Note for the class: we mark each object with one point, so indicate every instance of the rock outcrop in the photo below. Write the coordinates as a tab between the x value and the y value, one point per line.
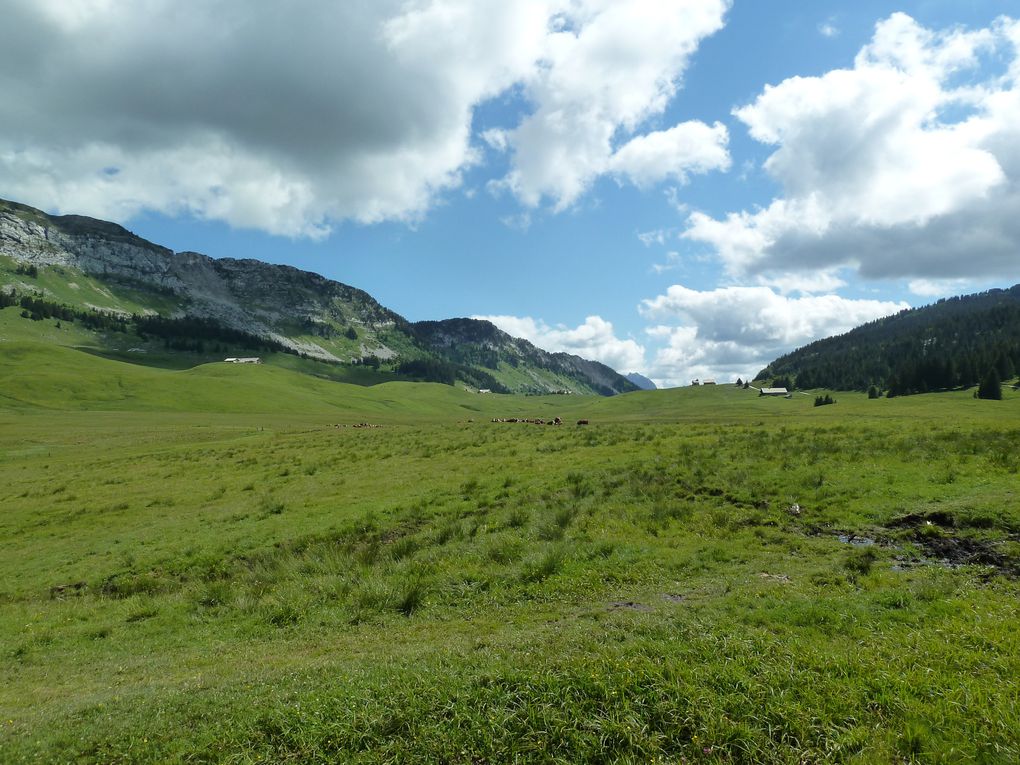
273	301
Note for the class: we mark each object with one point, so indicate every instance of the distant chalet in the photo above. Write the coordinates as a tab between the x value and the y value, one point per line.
773	392
243	360
696	381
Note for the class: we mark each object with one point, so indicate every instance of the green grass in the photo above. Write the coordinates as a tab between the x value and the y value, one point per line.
199	566
71	287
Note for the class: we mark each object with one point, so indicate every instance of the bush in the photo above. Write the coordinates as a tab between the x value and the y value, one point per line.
824	400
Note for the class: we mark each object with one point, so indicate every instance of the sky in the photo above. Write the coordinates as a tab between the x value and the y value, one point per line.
685	188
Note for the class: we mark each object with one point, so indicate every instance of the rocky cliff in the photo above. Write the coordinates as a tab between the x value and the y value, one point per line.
301	311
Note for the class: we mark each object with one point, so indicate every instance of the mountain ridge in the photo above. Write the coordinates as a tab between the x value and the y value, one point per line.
302	311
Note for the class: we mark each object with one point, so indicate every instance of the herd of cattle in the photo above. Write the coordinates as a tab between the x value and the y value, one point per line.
535	421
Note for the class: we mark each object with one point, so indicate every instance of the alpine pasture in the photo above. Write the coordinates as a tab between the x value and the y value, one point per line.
214	565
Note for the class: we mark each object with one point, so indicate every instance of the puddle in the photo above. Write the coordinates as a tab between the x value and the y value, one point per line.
853	539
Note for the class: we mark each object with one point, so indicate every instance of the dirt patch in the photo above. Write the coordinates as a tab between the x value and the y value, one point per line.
957	551
940	540
913	520
933	533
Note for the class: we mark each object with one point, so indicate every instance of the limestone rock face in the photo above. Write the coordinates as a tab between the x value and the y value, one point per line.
261	298
300	310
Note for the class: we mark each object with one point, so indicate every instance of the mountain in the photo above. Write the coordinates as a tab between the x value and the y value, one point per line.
952	343
189	303
480	343
641	381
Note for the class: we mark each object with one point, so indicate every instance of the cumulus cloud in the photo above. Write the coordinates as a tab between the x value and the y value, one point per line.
610	68
901	166
280	118
595	339
735	331
690	147
289	118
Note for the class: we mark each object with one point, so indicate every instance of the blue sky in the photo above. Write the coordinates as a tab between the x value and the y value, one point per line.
682	188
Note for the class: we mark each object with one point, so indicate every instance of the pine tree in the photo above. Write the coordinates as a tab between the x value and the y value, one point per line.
991	386
1005	367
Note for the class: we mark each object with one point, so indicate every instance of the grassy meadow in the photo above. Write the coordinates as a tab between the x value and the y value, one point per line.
200	566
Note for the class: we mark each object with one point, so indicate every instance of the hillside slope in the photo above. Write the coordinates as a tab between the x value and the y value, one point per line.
480	343
97	266
952	343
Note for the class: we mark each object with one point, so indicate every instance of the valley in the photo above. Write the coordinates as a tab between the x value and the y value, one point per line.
201	565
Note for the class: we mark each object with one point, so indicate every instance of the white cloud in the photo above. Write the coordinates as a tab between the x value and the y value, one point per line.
612	67
690	147
283	118
595	339
673	261
828	29
805	283
289	118
939	287
518	222
656	236
496	138
889	167
735	331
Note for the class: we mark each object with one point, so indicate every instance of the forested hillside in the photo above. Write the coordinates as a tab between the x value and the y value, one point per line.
953	343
